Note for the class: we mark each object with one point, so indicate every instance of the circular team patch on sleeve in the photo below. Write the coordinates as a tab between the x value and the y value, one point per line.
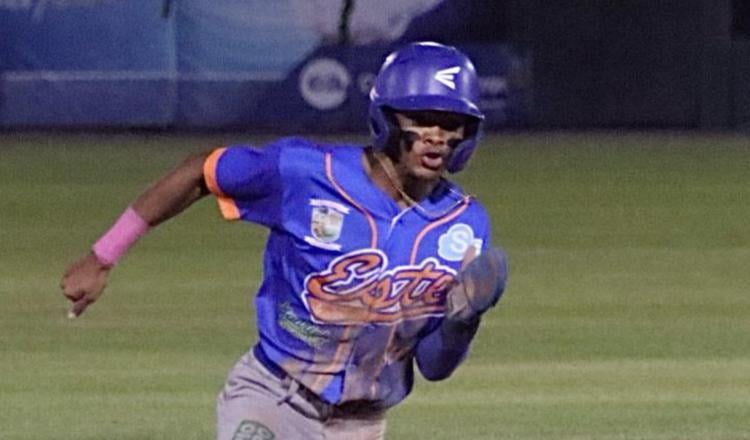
252	430
452	245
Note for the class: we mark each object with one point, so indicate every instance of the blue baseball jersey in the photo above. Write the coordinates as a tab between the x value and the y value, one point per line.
351	282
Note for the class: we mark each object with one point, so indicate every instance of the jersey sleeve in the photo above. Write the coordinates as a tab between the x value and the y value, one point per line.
441	351
246	182
446	344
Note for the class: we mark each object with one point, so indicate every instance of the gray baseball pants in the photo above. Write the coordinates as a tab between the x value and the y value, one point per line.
255	404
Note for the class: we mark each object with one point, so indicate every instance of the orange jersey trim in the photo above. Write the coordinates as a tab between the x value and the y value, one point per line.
209	171
434	225
325	376
344	194
343	349
227	205
228	208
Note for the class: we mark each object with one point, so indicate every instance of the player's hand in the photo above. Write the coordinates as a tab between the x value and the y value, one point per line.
479	286
83	283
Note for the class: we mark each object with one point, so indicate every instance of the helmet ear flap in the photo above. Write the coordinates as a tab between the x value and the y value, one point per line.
378	127
472	127
386	131
394	130
464	150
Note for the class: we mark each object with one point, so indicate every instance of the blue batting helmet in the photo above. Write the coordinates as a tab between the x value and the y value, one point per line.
427	76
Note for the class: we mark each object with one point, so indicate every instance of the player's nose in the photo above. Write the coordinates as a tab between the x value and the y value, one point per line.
436	136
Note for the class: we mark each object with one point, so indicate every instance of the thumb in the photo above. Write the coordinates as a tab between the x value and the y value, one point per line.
470	254
78	308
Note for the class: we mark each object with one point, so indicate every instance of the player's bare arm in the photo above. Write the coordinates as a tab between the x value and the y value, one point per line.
84	281
174	192
479	286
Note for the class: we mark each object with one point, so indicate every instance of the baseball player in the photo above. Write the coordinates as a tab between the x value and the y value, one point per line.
374	262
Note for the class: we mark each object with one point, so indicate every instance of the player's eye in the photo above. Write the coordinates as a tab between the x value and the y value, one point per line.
453	143
445	120
409	137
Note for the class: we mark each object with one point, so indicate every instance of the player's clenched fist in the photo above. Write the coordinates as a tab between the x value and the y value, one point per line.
84	282
480	284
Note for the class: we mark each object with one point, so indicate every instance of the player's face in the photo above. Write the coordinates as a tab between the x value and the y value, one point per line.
431	138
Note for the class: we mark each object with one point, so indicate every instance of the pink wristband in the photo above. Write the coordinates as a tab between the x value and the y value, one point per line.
120	237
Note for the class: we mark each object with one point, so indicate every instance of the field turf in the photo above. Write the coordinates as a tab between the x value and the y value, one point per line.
627	315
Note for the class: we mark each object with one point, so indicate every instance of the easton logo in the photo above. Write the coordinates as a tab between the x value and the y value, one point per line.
448	76
356	289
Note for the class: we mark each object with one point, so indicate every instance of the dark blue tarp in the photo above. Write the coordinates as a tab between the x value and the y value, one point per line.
64	63
200	63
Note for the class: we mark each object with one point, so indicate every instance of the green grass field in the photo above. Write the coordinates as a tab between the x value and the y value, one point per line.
627	314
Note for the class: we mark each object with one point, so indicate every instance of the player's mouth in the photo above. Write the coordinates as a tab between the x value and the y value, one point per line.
433	160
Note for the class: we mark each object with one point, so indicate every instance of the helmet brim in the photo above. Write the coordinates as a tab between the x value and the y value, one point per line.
434	103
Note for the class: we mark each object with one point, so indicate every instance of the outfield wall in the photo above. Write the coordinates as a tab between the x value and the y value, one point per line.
291	65
282	65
